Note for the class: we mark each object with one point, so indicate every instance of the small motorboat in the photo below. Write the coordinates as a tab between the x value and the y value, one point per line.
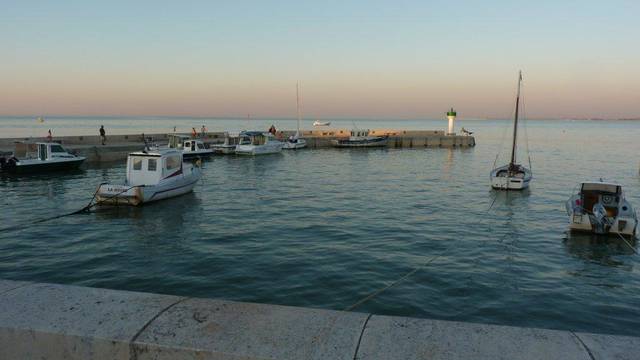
320	123
294	141
601	208
229	144
151	175
191	148
512	176
361	138
258	143
39	157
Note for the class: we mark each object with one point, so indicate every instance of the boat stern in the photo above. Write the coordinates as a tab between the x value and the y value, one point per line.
109	194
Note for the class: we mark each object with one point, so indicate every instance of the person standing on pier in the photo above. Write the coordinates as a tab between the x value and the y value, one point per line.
194	133
203	131
49	136
103	135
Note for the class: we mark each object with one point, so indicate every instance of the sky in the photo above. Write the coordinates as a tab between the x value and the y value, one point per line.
354	59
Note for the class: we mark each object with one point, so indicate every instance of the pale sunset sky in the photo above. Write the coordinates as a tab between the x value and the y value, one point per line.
366	59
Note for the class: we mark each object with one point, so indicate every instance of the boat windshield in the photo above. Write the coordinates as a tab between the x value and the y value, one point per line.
57	149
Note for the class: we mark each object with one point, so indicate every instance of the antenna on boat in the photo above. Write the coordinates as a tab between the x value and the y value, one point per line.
515	123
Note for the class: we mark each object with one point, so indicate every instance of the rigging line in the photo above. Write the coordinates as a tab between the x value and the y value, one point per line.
526	132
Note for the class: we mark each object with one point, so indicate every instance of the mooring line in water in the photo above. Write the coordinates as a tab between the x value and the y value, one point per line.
395	282
626	242
85	209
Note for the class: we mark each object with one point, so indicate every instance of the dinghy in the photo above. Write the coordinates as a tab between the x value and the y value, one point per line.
295	142
361	138
512	176
257	143
39	157
151	175
601	208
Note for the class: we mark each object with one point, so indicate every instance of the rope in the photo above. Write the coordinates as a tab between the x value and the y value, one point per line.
397	281
84	209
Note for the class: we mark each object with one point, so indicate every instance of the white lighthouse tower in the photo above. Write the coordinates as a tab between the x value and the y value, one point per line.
451	115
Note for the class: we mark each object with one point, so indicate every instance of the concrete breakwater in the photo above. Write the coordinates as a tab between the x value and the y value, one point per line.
69	322
118	146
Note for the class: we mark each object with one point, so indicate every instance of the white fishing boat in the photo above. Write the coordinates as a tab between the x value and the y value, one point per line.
191	148
294	141
231	140
512	176
360	138
39	157
151	175
321	123
258	143
601	208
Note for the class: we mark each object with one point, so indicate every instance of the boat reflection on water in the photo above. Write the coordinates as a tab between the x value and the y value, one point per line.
599	249
168	213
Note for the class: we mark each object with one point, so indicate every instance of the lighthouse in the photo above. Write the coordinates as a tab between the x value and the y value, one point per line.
451	115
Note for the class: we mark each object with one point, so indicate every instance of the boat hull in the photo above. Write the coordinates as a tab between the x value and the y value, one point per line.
124	194
290	145
348	143
197	154
224	149
622	226
259	149
501	182
42	166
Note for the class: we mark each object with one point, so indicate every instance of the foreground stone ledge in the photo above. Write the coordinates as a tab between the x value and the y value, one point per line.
48	321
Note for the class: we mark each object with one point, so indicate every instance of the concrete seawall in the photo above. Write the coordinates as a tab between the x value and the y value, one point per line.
48	321
118	146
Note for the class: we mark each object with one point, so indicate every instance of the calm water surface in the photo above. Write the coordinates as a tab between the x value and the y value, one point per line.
324	228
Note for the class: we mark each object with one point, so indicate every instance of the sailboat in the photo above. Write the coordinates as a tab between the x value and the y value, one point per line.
295	142
512	176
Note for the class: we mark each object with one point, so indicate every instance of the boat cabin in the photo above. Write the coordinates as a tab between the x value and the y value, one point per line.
41	151
609	195
254	138
149	167
360	133
231	139
177	141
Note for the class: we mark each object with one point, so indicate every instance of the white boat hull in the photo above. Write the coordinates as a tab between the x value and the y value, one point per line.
269	148
125	194
501	182
622	225
299	144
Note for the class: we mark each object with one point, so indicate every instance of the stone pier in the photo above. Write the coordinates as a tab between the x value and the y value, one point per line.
49	321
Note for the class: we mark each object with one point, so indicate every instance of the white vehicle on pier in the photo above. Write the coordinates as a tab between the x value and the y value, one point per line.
151	175
258	143
601	208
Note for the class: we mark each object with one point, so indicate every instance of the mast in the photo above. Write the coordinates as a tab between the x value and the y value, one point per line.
515	124
298	107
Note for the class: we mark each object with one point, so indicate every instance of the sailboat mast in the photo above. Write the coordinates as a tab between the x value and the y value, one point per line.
515	123
298	106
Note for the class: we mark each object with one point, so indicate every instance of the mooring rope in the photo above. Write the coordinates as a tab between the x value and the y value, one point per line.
84	209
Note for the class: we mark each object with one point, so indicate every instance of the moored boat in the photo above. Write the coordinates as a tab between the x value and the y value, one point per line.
258	143
191	148
39	157
512	176
361	138
321	123
151	175
229	144
601	208
294	141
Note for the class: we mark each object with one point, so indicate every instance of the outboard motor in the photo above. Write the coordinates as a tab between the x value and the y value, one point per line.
599	219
